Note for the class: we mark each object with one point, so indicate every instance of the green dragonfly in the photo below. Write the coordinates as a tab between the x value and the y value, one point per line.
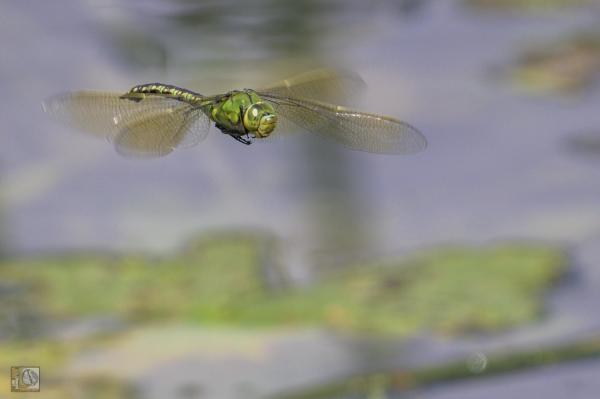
152	120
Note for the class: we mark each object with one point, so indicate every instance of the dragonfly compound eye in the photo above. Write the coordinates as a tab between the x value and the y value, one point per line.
260	119
267	125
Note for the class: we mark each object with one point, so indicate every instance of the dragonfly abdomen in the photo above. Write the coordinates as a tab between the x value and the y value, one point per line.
171	91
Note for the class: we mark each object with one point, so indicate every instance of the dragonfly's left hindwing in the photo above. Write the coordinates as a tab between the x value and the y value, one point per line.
150	127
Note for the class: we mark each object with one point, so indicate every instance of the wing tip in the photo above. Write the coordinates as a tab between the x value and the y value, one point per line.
415	140
52	104
49	104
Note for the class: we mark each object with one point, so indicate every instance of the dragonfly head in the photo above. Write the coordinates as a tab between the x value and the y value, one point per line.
260	118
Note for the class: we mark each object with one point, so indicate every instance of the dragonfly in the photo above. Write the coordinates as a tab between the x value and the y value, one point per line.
152	120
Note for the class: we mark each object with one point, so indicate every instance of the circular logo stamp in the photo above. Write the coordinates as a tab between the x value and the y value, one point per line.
25	379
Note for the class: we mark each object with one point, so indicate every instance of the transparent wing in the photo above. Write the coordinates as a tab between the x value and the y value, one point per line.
103	114
328	85
159	134
145	128
354	129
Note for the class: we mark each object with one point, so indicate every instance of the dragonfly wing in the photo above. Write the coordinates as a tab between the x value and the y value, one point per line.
159	134
329	85
151	127
354	129
196	130
103	114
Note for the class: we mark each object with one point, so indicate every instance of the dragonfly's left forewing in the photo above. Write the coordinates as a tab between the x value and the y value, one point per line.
354	129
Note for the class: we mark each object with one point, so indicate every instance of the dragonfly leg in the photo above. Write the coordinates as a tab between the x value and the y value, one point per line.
235	134
242	140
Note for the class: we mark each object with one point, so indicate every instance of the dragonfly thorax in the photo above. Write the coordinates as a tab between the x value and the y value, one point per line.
244	112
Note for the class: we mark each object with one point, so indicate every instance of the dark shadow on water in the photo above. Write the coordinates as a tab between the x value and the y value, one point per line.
585	145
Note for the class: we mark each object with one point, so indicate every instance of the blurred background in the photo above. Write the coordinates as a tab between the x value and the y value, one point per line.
300	269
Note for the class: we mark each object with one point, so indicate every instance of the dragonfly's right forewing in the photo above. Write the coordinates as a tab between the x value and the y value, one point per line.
337	86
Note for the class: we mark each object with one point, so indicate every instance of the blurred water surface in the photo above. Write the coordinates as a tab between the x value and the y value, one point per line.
495	168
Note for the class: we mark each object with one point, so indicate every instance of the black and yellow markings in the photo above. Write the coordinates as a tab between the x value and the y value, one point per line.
165	90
